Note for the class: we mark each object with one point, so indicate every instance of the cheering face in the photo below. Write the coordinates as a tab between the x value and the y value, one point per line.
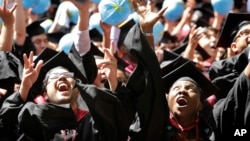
241	40
59	86
184	99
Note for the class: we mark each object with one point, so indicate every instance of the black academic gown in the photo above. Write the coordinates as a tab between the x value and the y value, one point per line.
109	118
11	73
232	113
146	82
224	73
43	122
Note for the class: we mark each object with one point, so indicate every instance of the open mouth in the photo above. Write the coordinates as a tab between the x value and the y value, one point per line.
182	102
103	80
62	87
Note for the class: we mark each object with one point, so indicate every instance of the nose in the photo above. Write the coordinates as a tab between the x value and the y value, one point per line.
248	39
44	43
182	91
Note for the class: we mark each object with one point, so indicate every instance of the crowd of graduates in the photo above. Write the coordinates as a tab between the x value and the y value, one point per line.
165	71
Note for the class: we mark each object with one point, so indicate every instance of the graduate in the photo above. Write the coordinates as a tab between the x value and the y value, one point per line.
234	38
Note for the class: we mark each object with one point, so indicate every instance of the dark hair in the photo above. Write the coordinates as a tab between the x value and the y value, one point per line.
237	28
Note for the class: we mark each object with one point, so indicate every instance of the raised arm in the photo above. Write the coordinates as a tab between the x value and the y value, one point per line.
82	39
19	24
6	36
30	75
147	18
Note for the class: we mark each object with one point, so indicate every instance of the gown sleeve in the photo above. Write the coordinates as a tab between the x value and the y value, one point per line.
232	112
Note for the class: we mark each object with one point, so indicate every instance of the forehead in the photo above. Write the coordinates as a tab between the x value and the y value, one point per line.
58	69
185	82
245	27
40	36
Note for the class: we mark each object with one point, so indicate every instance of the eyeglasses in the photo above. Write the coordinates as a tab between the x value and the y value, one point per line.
39	41
242	33
57	75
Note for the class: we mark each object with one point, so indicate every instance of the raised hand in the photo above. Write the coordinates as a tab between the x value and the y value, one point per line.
147	17
7	14
30	74
108	66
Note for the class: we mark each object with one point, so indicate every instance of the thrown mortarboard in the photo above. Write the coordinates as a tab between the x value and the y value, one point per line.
199	49
60	59
232	23
114	12
188	69
125	27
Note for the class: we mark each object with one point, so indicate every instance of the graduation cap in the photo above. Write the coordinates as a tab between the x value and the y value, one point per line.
95	35
114	12
35	28
11	72
60	59
125	27
45	55
55	37
173	62
188	69
232	24
199	49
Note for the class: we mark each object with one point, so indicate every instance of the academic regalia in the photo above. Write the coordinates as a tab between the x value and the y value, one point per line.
42	122
181	68
232	24
56	122
146	82
86	63
223	73
111	114
11	73
124	27
34	29
232	112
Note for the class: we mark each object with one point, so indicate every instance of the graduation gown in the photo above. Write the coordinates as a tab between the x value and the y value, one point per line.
108	120
224	73
43	122
232	113
146	82
11	72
